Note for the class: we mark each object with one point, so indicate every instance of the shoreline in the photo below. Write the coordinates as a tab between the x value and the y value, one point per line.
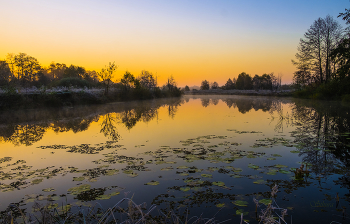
283	93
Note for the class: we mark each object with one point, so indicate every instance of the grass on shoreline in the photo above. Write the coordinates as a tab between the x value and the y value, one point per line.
27	98
128	212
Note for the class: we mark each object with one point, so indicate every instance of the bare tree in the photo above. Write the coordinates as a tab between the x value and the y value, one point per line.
107	75
313	57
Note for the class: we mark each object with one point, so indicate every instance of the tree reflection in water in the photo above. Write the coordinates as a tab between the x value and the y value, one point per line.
108	127
323	137
78	120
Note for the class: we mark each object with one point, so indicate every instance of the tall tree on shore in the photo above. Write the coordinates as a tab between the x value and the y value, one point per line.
244	81
314	51
107	74
205	85
341	54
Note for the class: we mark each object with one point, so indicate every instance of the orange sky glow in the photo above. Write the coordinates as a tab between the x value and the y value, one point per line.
190	40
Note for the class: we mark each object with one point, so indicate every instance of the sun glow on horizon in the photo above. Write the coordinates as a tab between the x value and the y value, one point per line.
190	41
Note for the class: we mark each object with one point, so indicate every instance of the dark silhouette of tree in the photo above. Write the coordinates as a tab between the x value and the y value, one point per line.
313	59
28	67
244	81
204	85
107	74
187	88
214	85
147	80
229	85
128	81
341	54
5	73
74	72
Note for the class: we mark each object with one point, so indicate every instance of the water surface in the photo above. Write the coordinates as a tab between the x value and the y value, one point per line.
209	155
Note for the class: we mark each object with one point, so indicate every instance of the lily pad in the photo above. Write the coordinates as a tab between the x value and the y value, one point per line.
206	175
284	171
240	203
103	197
219	183
153	183
237	169
276	155
50	189
240	211
79	189
184	189
37	181
183	174
294	151
280	166
259	182
272	172
271	158
78	178
220	205
252	166
265	201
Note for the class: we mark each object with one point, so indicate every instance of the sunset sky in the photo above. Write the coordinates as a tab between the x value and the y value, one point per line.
192	40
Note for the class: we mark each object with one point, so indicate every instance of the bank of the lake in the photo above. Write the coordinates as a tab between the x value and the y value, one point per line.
283	93
60	97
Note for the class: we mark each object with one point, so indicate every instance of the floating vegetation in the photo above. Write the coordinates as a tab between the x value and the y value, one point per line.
272	172
252	166
240	203
220	205
241	211
79	189
206	175
284	171
270	142
50	189
276	155
84	148
107	196
219	183
37	181
5	159
265	201
78	178
184	189
167	168
244	132
280	166
259	182
153	183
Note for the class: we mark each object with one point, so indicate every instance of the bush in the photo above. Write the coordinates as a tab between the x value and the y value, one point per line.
73	81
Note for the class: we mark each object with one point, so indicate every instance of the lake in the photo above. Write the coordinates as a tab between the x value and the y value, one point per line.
195	156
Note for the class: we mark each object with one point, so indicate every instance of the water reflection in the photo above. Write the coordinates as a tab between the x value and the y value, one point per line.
108	127
79	119
220	167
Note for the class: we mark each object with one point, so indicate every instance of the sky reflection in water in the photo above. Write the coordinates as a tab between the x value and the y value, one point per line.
200	152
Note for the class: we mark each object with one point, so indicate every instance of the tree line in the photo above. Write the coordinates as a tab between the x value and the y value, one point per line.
245	81
22	70
322	58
